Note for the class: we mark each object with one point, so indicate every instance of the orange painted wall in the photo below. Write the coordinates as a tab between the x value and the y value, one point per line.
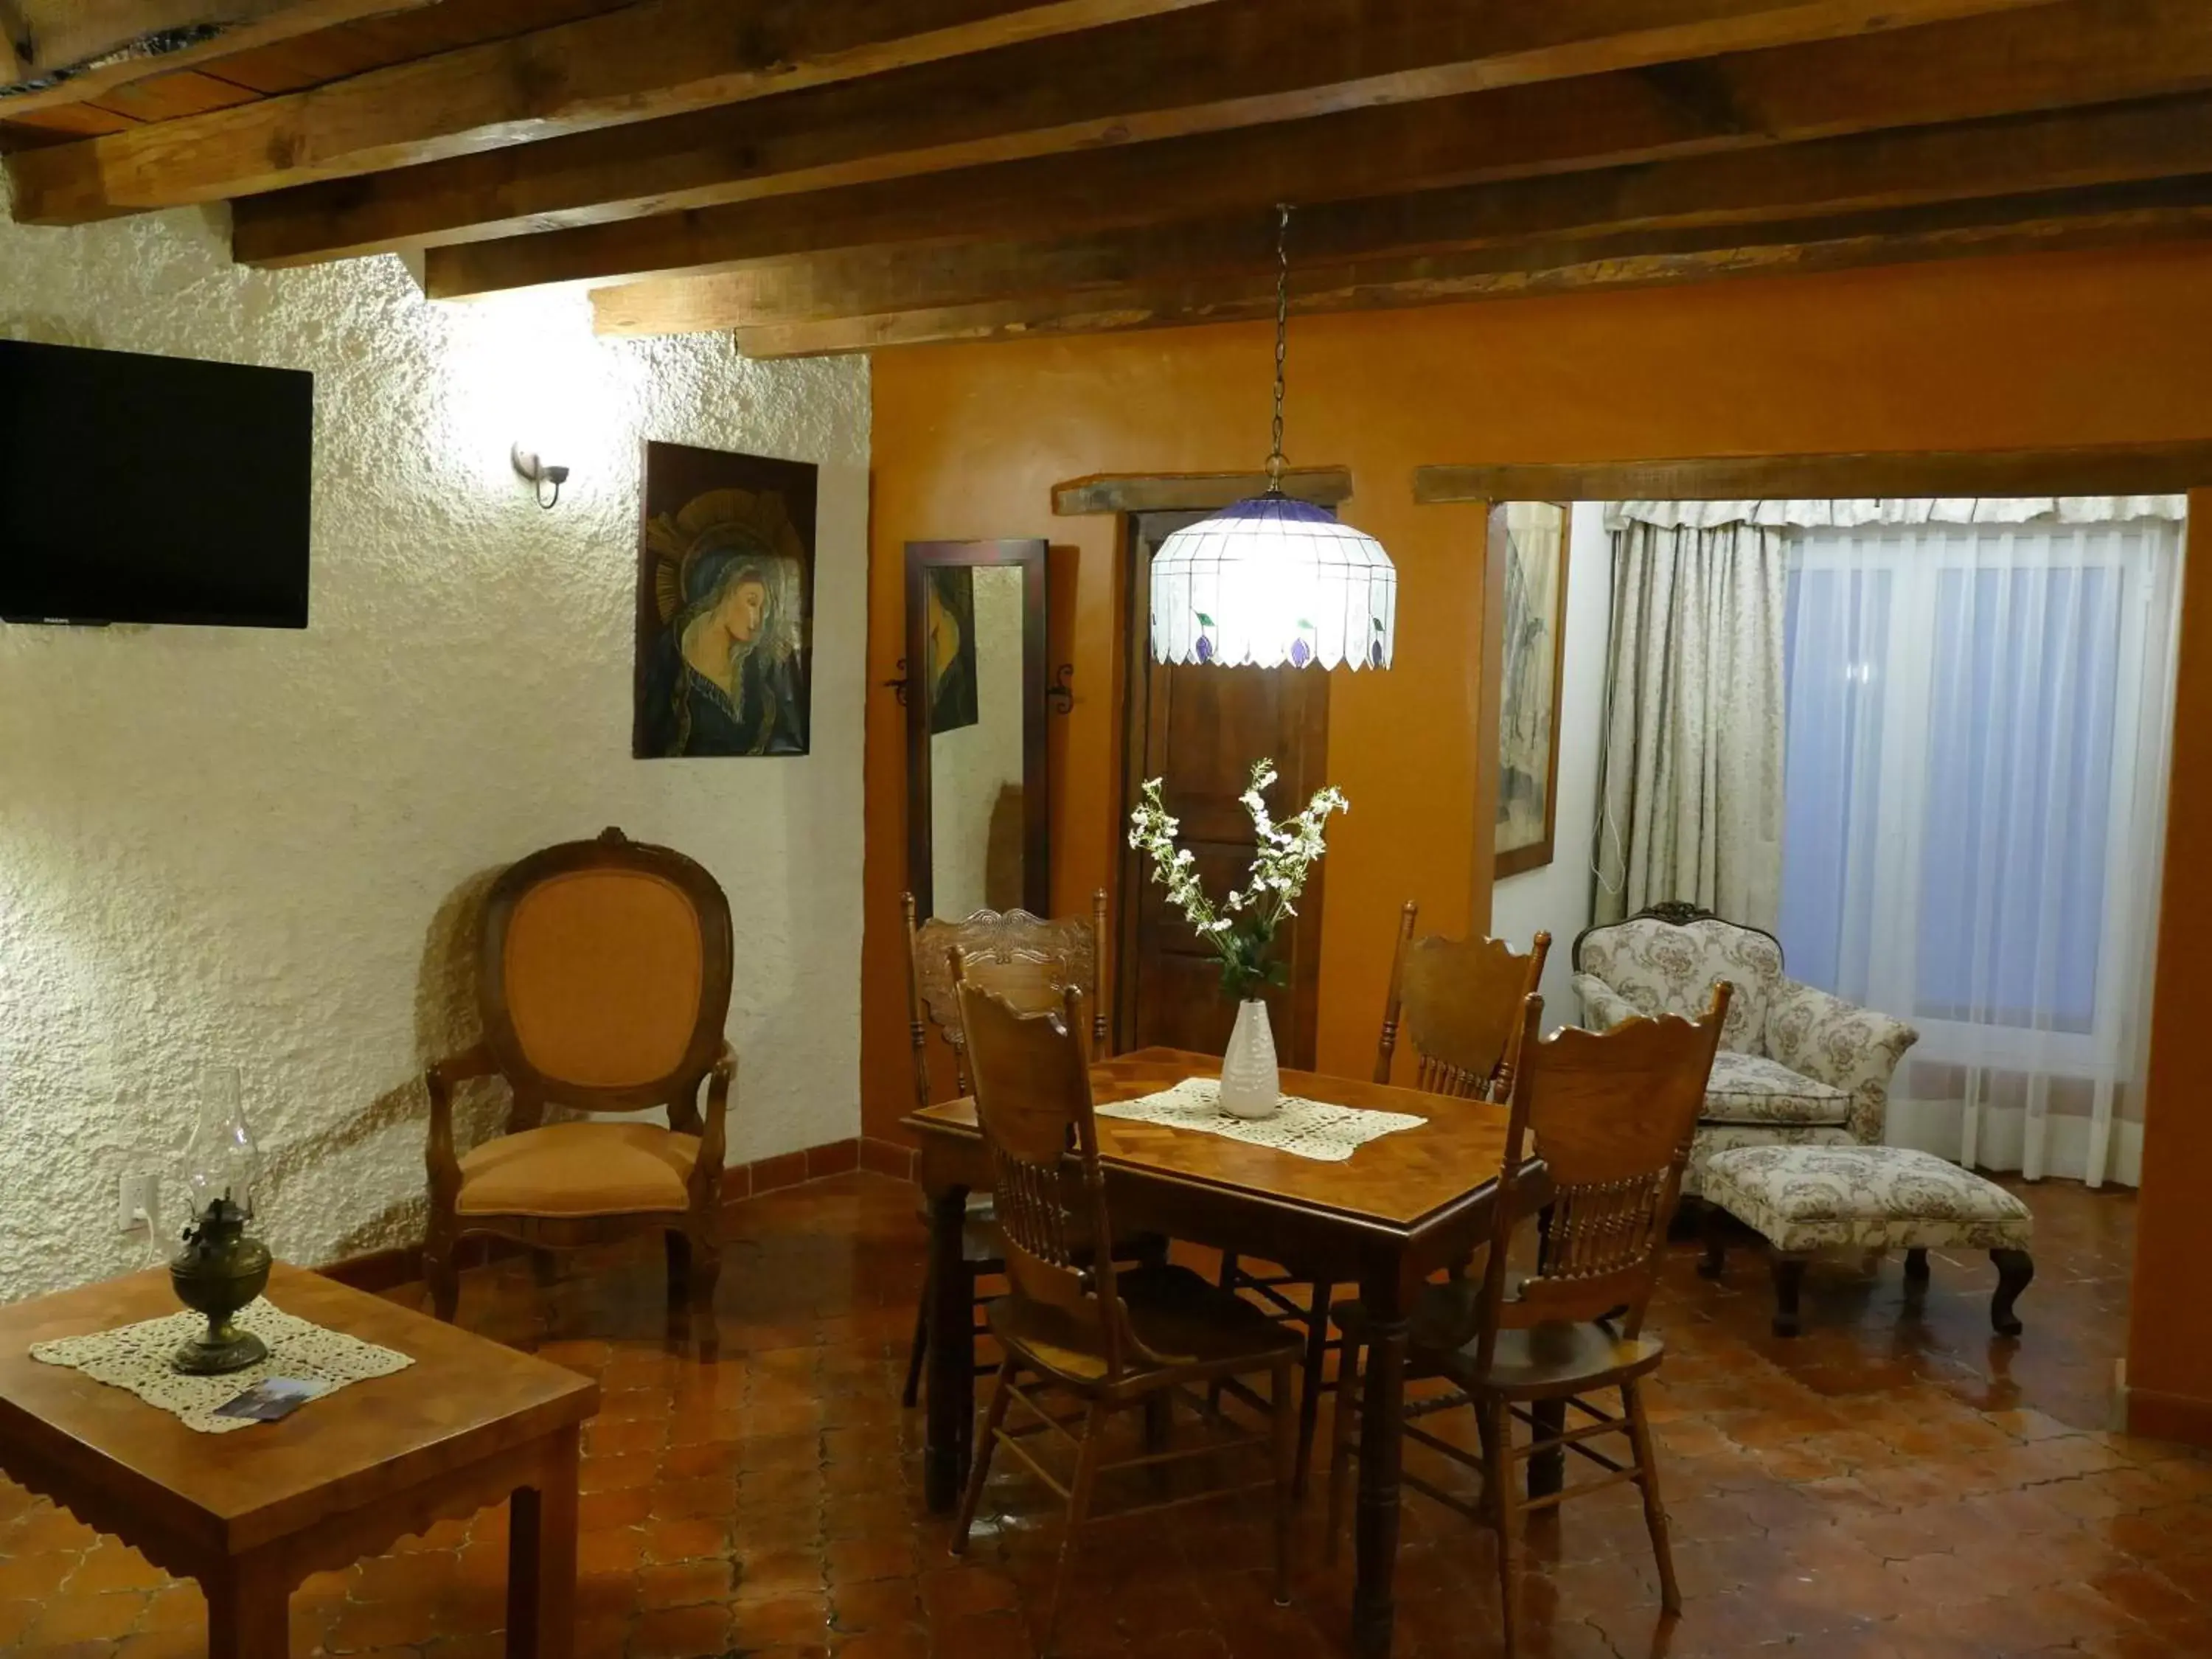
1980	355
2170	1339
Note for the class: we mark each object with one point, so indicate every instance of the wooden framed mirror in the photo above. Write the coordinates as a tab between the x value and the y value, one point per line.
978	822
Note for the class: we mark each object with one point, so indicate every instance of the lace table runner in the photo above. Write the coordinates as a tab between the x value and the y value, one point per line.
137	1357
1308	1128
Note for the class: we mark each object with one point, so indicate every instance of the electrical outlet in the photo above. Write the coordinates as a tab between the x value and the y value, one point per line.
137	1200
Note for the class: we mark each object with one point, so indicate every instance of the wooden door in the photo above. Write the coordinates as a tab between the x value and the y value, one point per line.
1201	729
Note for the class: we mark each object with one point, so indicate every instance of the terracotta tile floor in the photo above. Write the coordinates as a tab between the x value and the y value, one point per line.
1892	1484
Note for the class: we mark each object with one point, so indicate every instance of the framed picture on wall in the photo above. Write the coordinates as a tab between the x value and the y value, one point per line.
1536	536
725	604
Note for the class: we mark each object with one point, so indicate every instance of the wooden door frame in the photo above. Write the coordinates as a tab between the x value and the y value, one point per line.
2164	469
1135	714
2151	469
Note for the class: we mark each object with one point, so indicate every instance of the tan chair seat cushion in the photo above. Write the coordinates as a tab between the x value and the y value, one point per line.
580	1169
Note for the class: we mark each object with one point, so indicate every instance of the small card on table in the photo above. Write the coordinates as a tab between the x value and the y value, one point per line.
271	1399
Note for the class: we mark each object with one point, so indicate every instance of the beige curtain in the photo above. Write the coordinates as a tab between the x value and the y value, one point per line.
1691	796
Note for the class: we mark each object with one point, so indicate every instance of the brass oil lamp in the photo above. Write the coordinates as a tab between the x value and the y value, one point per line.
220	1269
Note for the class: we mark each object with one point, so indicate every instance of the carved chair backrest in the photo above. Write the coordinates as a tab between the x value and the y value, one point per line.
604	972
1459	1002
1024	958
1664	961
1032	1087
1612	1115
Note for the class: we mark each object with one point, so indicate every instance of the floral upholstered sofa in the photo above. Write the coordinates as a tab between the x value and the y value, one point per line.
1797	1067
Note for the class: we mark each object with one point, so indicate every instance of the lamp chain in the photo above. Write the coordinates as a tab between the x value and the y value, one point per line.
1282	337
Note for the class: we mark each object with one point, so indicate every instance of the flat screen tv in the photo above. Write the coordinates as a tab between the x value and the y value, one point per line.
153	489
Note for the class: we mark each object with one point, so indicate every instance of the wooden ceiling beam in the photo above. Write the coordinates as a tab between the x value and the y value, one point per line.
1242	63
2048	58
64	51
2125	216
2013	156
655	58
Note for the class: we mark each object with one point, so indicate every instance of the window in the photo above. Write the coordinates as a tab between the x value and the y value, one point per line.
1974	785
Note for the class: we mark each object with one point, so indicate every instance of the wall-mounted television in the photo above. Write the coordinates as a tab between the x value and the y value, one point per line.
153	489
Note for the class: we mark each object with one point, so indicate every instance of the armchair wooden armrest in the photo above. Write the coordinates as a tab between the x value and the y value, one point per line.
707	1170
445	1163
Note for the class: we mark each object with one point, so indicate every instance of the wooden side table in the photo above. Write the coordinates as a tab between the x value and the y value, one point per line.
251	1514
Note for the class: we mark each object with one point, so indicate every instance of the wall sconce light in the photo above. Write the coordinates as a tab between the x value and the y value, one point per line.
537	474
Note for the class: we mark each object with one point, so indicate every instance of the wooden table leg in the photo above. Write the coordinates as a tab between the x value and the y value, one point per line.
1381	1424
249	1611
951	1390
541	1559
1547	1470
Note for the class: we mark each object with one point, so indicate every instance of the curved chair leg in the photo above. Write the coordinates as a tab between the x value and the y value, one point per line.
678	1248
1788	1283
1078	1512
1716	1243
918	1352
706	1269
1502	1508
979	1462
1647	1478
2014	1270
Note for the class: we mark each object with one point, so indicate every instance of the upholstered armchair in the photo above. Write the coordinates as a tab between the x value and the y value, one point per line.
604	977
1796	1066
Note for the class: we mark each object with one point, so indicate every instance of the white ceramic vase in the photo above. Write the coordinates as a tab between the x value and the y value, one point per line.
1251	1083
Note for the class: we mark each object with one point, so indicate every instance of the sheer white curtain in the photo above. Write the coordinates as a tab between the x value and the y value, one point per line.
1979	717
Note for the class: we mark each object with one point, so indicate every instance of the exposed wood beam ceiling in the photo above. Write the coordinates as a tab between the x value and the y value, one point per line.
1210	69
820	177
2167	213
58	51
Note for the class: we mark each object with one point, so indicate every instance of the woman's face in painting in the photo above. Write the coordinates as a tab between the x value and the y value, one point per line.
743	610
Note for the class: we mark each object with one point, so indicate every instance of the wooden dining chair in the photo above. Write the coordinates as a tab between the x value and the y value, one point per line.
603	980
1459	1002
1030	961
1075	1322
1612	1117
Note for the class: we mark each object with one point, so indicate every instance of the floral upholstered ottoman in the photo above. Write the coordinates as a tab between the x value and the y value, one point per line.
1804	1198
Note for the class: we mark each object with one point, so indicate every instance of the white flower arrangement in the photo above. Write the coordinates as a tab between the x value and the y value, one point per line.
1241	929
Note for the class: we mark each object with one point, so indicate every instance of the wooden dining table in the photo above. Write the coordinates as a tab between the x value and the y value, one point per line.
1402	1207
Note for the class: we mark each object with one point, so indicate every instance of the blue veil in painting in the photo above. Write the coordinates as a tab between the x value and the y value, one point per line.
724	676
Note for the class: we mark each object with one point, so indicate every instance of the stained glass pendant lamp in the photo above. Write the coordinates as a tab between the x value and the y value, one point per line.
1271	580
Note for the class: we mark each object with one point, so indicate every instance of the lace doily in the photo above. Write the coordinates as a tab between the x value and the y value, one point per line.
1307	1128
137	1357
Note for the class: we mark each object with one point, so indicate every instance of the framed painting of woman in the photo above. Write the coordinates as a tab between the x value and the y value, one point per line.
1535	548
725	604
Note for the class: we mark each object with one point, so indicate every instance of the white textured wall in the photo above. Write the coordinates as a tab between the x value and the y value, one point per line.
1557	896
262	847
